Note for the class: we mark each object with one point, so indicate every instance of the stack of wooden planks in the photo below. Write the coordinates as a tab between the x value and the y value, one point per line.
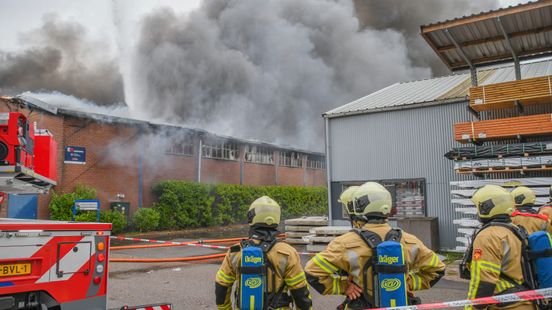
324	235
504	128
298	229
504	95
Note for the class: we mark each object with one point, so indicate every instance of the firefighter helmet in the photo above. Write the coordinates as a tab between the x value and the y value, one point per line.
493	200
347	195
370	199
264	211
523	195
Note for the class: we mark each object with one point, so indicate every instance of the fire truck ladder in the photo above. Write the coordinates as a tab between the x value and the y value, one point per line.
21	180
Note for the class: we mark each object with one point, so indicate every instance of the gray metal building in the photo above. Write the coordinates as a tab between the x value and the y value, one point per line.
398	136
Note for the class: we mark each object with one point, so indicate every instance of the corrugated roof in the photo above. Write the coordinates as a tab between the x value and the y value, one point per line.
50	107
481	39
438	90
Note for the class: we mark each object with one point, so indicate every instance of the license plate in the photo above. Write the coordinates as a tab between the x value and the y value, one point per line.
15	269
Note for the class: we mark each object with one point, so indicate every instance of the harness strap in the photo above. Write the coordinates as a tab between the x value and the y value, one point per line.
526	214
253	270
540	254
390	269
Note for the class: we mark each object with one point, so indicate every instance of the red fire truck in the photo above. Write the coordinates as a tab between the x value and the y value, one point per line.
46	265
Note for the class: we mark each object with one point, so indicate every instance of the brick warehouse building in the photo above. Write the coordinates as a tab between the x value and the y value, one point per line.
125	157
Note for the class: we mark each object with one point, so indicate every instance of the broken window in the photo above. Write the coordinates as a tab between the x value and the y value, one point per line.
316	162
181	147
222	150
291	159
259	155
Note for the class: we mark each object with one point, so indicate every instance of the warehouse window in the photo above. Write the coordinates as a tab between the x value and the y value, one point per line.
259	155
291	159
181	147
316	162
223	150
409	197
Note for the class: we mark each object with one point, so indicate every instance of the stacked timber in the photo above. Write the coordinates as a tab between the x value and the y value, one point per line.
297	230
462	191
505	95
505	164
324	235
504	128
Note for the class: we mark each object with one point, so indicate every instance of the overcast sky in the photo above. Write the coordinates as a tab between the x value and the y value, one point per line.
97	16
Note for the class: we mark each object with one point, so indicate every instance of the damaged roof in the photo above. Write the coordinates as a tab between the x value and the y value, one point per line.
34	103
440	90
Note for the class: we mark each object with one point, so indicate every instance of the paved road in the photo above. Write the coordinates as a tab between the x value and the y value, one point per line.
191	286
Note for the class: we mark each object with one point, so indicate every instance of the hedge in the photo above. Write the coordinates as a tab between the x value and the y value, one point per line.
184	204
61	209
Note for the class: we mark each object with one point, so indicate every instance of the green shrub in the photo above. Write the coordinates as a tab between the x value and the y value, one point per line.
116	218
185	204
61	204
146	219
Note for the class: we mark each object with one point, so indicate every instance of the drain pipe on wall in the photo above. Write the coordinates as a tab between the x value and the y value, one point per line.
328	171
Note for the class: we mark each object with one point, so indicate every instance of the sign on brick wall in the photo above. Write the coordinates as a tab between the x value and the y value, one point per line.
75	155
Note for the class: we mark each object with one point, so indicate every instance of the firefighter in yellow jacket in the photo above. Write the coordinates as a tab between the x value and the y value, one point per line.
340	268
547	208
285	279
496	265
524	214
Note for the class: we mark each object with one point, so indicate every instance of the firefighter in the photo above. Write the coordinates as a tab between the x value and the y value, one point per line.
285	278
341	268
524	214
497	265
547	208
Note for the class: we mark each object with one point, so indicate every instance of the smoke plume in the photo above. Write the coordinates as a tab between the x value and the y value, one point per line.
258	69
58	56
269	69
407	16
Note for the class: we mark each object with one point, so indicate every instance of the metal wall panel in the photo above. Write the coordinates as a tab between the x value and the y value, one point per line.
402	144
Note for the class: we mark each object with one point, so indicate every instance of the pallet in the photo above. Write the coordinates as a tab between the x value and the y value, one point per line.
308	221
298	241
289	228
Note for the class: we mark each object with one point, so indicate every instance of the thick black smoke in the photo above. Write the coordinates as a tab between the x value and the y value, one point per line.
406	16
59	57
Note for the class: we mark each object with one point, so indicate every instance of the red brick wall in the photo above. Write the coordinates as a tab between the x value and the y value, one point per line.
259	174
316	177
290	176
112	163
173	167
109	168
220	171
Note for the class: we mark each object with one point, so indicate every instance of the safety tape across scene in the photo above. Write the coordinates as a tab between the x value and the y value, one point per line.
514	297
194	244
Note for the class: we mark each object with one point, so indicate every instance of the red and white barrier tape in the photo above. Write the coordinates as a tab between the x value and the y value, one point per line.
152	307
196	244
514	297
218	247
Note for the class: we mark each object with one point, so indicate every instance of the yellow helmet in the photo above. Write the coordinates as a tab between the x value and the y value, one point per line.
493	200
523	195
370	198
265	211
347	196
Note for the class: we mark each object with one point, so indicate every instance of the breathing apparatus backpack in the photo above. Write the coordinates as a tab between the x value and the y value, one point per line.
389	270
253	290
527	267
